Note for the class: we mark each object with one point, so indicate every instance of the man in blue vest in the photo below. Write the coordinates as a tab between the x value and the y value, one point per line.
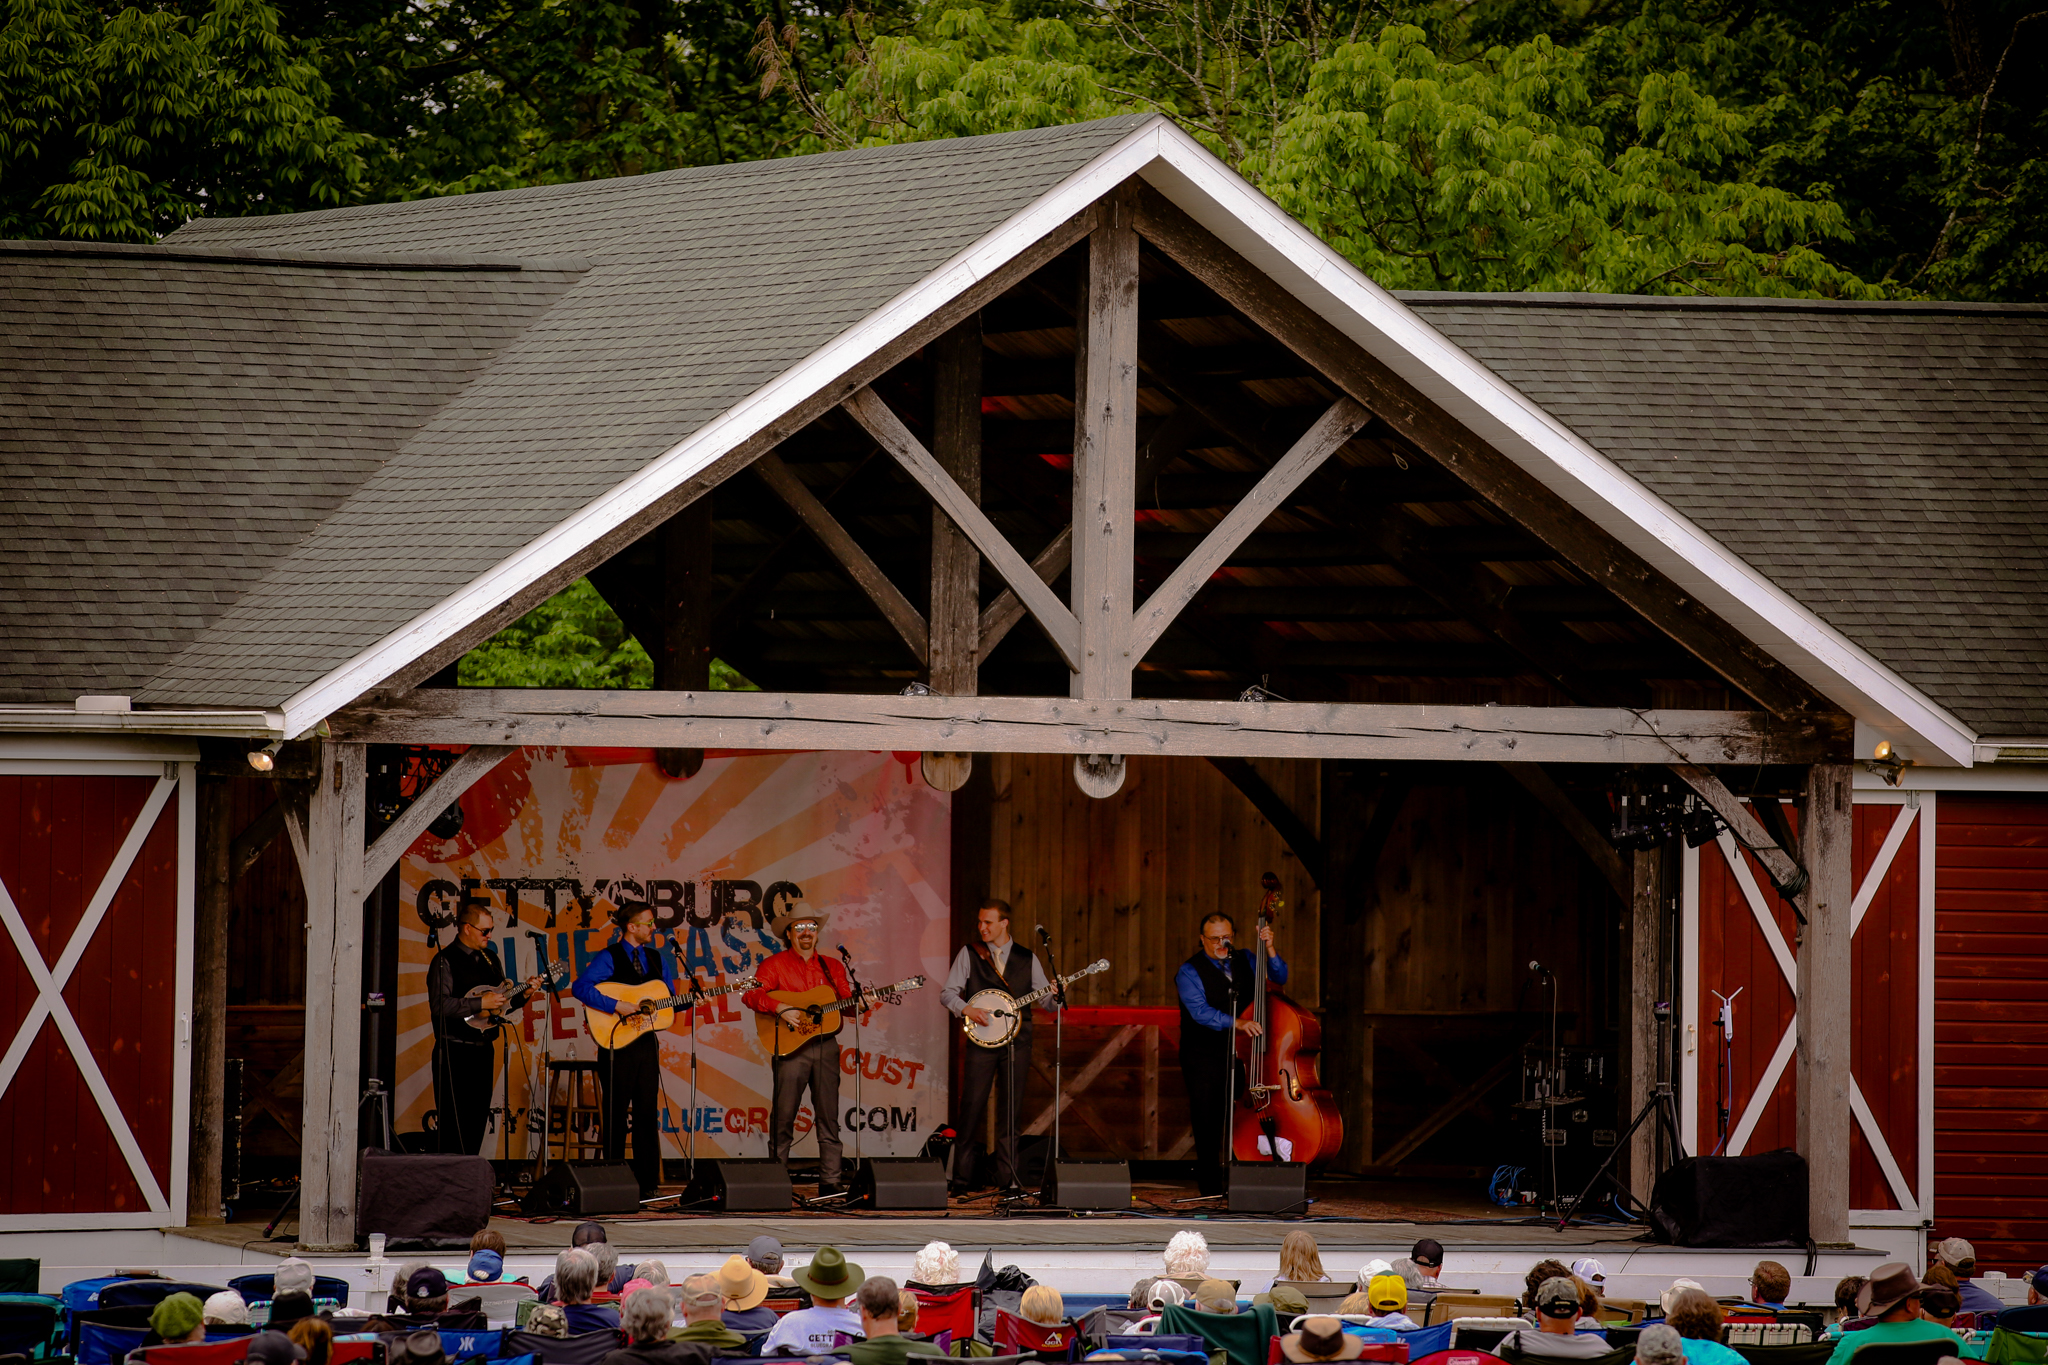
1215	986
631	1073
995	962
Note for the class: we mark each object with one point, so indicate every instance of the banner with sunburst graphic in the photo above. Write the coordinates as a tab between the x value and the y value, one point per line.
555	840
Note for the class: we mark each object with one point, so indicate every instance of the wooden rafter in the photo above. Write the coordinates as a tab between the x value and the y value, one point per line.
867	575
954	659
412	822
1783	868
1286	822
1106	460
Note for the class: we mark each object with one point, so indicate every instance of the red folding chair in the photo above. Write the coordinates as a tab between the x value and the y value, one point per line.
1019	1336
952	1308
195	1352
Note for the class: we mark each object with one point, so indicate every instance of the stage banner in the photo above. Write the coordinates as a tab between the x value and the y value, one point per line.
555	840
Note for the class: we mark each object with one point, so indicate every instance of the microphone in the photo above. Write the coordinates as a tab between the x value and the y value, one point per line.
1043	937
845	956
1536	966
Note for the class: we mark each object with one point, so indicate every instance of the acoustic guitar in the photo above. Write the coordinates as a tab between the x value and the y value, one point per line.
821	1006
617	1030
487	1021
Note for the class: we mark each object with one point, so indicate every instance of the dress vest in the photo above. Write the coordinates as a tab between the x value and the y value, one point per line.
471	970
1230	994
1016	978
624	973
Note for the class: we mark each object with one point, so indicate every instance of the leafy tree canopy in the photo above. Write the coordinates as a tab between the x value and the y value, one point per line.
574	639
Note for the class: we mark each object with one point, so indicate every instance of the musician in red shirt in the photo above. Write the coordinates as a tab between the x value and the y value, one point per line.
815	1063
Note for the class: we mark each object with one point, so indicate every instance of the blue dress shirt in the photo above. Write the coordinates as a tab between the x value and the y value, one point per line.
600	969
1188	982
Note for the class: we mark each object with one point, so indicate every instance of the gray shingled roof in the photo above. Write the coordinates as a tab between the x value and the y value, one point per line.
172	424
1887	465
706	284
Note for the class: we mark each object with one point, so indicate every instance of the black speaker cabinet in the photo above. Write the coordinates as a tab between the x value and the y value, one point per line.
1268	1187
1759	1200
422	1201
901	1182
741	1187
583	1188
1089	1185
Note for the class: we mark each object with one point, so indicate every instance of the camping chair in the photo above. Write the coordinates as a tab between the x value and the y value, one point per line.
1902	1352
150	1293
1483	1334
1627	1312
103	1335
466	1345
2031	1317
1016	1335
1447	1306
21	1275
1458	1358
502	1299
28	1324
328	1290
586	1348
1241	1336
954	1308
195	1353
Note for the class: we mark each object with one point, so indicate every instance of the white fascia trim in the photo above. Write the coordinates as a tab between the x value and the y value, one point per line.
726	432
49	720
1225	204
146	751
1985	777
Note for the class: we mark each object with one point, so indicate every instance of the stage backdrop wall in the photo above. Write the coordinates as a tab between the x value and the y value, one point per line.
554	840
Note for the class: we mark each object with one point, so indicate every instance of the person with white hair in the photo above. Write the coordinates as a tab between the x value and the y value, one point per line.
936	1264
645	1323
575	1279
1187	1256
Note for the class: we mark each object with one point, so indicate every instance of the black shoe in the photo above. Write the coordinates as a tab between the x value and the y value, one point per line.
826	1187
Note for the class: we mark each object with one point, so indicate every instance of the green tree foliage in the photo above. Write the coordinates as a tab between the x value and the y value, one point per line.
118	124
574	639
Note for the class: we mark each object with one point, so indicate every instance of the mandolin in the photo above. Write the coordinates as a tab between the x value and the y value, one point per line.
616	1030
486	1021
822	1005
1009	1010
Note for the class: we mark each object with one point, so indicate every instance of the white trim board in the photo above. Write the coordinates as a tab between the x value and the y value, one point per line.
1212	194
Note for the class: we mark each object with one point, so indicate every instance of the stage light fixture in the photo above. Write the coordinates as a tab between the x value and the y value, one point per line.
265	758
1700	824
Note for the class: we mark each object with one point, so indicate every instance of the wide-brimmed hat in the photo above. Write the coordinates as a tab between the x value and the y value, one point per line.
830	1275
1890	1285
1321	1338
424	1348
741	1285
779	926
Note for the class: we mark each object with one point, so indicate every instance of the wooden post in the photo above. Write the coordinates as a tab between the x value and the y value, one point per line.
203	1199
1148	1117
334	998
683	663
1106	458
955	619
1824	991
1641	984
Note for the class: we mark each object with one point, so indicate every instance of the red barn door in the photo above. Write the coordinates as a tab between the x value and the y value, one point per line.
1741	944
95	992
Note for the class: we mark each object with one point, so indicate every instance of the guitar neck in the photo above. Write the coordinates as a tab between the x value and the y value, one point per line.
706	993
907	984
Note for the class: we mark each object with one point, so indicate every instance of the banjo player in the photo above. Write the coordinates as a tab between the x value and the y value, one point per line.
994	962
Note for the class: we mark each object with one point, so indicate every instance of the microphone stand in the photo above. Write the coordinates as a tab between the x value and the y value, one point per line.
860	993
696	1119
1059	1036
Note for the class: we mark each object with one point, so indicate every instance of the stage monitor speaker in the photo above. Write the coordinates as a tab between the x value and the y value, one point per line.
422	1201
901	1182
1732	1201
1268	1187
583	1188
741	1187
1090	1185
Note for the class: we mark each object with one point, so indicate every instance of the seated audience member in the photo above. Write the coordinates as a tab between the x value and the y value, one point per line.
1141	1292
1301	1259
764	1253
1696	1317
315	1336
292	1292
1846	1290
426	1303
703	1304
936	1265
1187	1257
907	1308
177	1318
830	1279
1165	1293
225	1309
612	1273
1287	1303
1540	1274
575	1279
1592	1273
881	1322
1043	1305
276	1348
585	1235
1215	1296
423	1347
654	1272
744	1288
1388	1297
1960	1257
1428	1256
1770	1284
1670	1296
2037	1286
549	1321
1660	1345
1589	1306
1320	1338
1939	1305
644	1318
1373	1269
485	1267
1892	1297
1556	1333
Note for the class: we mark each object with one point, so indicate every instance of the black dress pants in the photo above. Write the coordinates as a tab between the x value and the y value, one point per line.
813	1067
631	1077
1008	1071
463	1077
1209	1070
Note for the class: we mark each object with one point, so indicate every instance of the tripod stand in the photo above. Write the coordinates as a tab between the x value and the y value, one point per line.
1665	1107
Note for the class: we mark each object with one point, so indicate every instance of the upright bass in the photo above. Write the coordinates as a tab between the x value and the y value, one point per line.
1283	1096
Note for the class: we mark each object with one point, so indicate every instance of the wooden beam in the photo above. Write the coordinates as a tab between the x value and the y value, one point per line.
889	432
334	999
255	837
1291	828
1785	871
1008	608
859	566
1057	725
1642	984
203	1196
1321	441
914	338
1454	1106
1826	979
465	772
1083	1078
1590	839
1106	458
1573	535
954	658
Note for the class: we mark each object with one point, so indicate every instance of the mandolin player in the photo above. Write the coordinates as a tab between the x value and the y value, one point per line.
630	1074
995	962
461	979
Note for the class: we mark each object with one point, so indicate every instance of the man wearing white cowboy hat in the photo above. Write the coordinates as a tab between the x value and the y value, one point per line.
814	1065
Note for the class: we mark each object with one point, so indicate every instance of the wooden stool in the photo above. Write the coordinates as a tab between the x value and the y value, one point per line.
582	1114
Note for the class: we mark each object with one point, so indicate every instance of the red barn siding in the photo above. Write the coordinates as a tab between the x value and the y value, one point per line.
1991	1028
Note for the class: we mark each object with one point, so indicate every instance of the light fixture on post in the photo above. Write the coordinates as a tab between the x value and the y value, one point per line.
265	758
1887	763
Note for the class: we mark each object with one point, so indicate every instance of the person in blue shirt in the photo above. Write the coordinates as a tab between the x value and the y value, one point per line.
631	1073
1215	986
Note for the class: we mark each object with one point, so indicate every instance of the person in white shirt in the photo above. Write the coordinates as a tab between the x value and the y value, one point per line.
830	1279
995	962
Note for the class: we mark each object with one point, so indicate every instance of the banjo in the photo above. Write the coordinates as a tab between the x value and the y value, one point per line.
1009	1010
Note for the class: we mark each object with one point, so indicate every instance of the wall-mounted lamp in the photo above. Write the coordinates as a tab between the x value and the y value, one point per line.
1887	763
265	758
